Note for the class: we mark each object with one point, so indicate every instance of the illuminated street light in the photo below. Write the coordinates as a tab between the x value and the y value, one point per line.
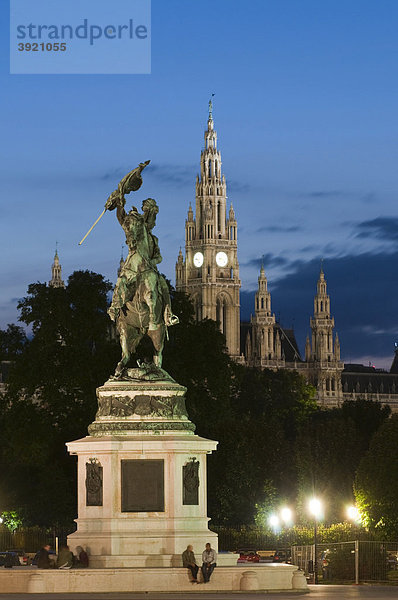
286	515
353	514
315	508
273	520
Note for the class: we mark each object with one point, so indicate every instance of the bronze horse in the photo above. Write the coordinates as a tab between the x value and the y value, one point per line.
141	301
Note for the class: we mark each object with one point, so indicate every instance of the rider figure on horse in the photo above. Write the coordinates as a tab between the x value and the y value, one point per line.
141	262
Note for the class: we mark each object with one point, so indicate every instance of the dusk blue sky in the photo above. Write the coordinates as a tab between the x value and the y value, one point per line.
305	108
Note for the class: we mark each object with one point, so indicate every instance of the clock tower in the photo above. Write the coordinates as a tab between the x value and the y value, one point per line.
210	271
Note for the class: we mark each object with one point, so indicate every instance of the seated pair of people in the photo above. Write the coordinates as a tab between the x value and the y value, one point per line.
66	560
209	561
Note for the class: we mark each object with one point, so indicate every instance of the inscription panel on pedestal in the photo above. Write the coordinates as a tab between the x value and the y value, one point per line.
142	485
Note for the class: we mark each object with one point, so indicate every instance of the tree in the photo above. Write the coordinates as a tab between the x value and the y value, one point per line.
327	454
50	396
12	342
376	482
368	416
329	449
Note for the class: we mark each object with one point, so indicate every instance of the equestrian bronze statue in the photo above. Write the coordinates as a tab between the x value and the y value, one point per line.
141	301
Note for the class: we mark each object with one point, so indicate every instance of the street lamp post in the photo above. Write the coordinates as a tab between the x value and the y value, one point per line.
315	553
353	515
316	510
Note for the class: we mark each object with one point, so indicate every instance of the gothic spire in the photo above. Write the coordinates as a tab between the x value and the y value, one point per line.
56	269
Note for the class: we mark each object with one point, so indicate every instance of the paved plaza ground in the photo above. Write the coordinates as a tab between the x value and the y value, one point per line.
320	592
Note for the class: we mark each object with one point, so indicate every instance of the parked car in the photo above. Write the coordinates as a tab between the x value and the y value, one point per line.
275	556
282	556
266	556
248	556
9	559
22	556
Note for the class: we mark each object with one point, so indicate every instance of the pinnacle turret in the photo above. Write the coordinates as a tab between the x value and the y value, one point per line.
56	270
322	324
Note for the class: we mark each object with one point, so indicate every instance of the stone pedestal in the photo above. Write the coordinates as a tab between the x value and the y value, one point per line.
141	478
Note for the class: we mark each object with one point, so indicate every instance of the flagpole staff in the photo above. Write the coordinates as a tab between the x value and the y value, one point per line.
92	226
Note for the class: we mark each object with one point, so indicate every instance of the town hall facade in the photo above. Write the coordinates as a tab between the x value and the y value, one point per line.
209	273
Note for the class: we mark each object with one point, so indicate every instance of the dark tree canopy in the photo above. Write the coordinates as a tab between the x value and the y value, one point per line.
376	483
50	395
328	452
12	342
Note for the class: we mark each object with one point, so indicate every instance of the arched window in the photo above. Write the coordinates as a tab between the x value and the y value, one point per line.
209	168
221	314
216	168
198	308
262	302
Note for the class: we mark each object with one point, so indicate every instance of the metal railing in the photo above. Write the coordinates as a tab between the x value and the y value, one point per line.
349	562
32	539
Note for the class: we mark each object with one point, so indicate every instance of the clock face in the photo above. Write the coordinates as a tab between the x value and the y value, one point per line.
198	259
221	259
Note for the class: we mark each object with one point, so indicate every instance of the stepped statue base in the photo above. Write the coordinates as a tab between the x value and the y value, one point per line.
141	476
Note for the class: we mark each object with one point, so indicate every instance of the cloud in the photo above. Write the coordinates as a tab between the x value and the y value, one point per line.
324	194
269	260
174	174
115	174
369	198
371	329
237	187
279	228
384	228
309	248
